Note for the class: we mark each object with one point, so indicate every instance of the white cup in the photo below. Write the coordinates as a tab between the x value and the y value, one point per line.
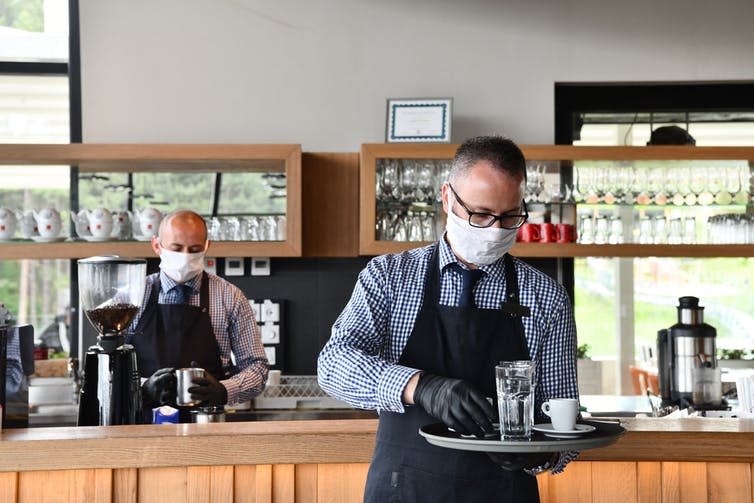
562	412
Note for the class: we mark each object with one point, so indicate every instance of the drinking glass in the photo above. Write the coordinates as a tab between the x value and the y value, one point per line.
586	230
645	230
689	230
660	230
408	182
515	398
616	231
388	180
600	230
675	233
424	181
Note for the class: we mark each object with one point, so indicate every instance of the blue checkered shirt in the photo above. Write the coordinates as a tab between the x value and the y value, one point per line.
241	351
359	362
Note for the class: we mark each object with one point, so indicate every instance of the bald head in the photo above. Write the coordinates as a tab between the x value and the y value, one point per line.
182	231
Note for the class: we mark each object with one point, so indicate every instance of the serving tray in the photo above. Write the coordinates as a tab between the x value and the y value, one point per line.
603	435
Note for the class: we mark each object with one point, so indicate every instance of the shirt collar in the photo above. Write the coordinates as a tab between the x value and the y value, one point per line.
447	257
167	283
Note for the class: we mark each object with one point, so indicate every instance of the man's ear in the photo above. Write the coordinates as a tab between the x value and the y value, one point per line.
156	245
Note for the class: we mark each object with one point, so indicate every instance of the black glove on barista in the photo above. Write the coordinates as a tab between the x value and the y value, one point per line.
455	403
208	390
160	388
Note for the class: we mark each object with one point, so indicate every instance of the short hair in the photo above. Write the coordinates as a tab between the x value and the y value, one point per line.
671	135
501	152
182	214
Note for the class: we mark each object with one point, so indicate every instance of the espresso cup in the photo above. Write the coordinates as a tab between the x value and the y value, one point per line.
562	412
185	380
528	233
566	233
547	233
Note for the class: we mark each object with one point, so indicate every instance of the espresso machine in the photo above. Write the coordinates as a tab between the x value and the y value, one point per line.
111	291
688	344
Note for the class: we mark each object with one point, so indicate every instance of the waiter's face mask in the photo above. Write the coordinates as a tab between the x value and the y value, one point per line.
477	245
181	267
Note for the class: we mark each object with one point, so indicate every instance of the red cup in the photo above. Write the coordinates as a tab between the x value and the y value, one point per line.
566	233
528	233
547	233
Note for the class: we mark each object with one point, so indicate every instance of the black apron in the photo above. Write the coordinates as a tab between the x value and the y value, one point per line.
175	335
463	343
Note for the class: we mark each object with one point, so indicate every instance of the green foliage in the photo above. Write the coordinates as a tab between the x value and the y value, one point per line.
582	351
735	354
22	14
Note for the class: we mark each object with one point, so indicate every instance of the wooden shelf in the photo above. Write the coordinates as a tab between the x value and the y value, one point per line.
370	153
191	158
555	250
78	249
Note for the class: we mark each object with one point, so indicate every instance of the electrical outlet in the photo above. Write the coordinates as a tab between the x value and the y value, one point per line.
234	266
270	352
270	334
270	312
260	266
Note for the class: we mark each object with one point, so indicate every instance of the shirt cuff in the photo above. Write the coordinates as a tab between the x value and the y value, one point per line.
391	386
233	390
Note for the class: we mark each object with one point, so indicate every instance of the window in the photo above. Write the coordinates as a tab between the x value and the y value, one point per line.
34	108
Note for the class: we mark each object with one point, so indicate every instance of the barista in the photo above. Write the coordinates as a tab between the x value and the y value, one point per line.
192	318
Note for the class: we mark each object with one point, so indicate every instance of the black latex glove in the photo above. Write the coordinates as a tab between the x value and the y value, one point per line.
455	403
208	390
160	388
519	461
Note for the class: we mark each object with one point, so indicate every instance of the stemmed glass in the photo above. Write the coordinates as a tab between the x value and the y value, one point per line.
407	183
424	181
389	180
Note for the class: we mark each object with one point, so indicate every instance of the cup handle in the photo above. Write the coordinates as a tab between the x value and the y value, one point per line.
546	408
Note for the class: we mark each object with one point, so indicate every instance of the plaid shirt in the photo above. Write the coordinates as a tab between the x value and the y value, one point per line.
241	350
359	362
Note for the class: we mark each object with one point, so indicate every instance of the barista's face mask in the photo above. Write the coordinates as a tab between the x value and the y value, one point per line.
480	246
181	267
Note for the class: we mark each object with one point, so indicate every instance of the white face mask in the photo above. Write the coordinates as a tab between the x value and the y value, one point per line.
479	246
181	267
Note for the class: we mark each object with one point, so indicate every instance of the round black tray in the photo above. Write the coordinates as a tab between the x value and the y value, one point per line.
604	434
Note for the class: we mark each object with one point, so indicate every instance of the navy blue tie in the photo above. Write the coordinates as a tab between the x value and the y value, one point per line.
183	294
470	278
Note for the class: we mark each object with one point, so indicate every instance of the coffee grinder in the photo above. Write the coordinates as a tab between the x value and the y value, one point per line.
111	290
688	344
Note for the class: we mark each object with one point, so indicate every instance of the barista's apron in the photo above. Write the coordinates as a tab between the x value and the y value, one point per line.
462	343
175	335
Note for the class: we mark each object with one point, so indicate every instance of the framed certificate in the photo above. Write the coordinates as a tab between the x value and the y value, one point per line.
418	120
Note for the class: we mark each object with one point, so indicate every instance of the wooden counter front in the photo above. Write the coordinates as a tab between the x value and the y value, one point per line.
668	460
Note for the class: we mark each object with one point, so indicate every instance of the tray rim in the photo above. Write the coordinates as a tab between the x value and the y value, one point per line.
545	444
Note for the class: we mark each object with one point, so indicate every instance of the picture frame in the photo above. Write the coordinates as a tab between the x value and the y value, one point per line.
419	120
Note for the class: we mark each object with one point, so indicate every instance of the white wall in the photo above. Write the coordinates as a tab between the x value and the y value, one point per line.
318	72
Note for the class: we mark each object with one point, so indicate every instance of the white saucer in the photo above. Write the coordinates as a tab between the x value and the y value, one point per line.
549	431
96	239
44	239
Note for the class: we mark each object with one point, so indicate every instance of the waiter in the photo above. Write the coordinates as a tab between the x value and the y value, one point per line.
424	329
190	318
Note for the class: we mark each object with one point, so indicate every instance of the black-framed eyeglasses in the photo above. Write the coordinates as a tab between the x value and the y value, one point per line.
507	220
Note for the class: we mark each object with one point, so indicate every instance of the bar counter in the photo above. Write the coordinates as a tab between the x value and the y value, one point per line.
688	459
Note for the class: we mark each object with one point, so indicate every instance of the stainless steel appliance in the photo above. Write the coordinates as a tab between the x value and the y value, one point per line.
688	344
111	290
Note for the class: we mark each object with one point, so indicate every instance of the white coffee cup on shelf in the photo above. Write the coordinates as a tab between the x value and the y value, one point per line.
8	222
562	412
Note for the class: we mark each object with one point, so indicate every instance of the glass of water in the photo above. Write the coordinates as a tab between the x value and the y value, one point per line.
515	398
